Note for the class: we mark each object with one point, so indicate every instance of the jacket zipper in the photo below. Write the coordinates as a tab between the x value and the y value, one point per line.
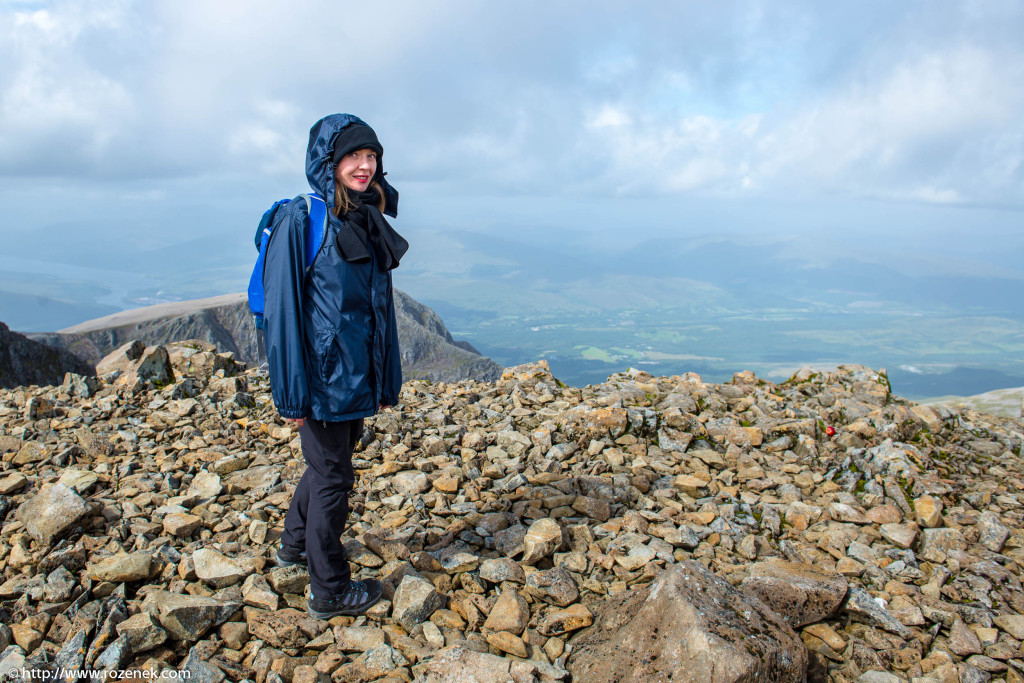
376	329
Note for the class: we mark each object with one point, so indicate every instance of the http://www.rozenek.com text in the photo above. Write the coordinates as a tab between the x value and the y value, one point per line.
63	674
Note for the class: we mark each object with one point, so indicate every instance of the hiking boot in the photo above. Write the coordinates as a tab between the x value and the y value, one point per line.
289	557
357	597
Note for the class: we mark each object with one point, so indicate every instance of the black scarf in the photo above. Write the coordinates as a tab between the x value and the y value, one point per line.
364	227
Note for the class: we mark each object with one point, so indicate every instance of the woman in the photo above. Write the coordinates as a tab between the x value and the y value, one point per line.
332	345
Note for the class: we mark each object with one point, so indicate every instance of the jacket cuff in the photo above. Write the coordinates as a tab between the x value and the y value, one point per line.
292	414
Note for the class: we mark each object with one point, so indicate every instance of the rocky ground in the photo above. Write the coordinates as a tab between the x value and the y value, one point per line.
648	528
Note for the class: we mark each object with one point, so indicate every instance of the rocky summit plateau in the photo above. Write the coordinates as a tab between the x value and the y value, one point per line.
642	529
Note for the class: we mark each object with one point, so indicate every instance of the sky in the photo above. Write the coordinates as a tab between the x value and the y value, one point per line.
158	121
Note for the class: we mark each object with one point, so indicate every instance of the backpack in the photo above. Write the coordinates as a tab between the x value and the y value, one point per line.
315	232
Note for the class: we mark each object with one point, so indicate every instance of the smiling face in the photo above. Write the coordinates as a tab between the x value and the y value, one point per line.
355	170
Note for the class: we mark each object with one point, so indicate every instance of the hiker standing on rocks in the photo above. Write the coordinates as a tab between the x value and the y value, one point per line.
332	345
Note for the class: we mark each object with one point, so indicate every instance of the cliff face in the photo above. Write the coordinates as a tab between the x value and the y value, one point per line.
25	361
428	350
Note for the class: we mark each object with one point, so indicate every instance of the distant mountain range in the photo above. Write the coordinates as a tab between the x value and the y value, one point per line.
428	349
943	313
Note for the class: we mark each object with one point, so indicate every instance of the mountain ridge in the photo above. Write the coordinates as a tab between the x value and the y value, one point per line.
428	349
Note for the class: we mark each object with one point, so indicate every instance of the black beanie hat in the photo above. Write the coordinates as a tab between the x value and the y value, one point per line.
353	137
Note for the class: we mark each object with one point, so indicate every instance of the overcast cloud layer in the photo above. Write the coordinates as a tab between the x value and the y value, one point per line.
917	101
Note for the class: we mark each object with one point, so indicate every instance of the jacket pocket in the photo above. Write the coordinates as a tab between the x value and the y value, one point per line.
326	355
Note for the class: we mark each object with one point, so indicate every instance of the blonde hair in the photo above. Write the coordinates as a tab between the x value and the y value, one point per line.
342	203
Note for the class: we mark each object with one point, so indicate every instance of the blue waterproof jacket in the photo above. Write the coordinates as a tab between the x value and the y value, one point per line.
331	334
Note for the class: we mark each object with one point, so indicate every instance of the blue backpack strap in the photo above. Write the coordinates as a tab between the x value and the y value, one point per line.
257	300
256	297
315	232
317	226
267	221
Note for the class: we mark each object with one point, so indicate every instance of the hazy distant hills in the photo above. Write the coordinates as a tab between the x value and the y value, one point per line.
1002	402
943	313
428	349
940	323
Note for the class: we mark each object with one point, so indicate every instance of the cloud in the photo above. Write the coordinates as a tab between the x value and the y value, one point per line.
752	99
929	128
58	112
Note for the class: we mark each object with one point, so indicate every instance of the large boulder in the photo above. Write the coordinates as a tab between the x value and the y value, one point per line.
121	358
153	366
687	625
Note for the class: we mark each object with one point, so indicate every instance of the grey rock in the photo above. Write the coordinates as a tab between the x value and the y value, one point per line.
121	358
691	625
541	540
509	542
501	569
878	677
115	656
187	617
260	477
359	638
12	661
78	480
458	664
141	632
257	593
72	655
799	593
555	586
122	567
292	579
216	569
937	543
410	483
993	533
415	600
861	606
284	628
972	674
205	486
60	583
80	386
51	512
195	669
962	640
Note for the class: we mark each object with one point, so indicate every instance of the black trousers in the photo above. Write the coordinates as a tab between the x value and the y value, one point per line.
319	508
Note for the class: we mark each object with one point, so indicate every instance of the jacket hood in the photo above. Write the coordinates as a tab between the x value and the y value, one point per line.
320	168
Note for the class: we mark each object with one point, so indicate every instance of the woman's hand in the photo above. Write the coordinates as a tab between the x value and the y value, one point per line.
299	421
382	406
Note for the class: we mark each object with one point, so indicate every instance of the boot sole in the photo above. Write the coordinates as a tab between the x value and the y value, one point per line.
286	563
290	563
